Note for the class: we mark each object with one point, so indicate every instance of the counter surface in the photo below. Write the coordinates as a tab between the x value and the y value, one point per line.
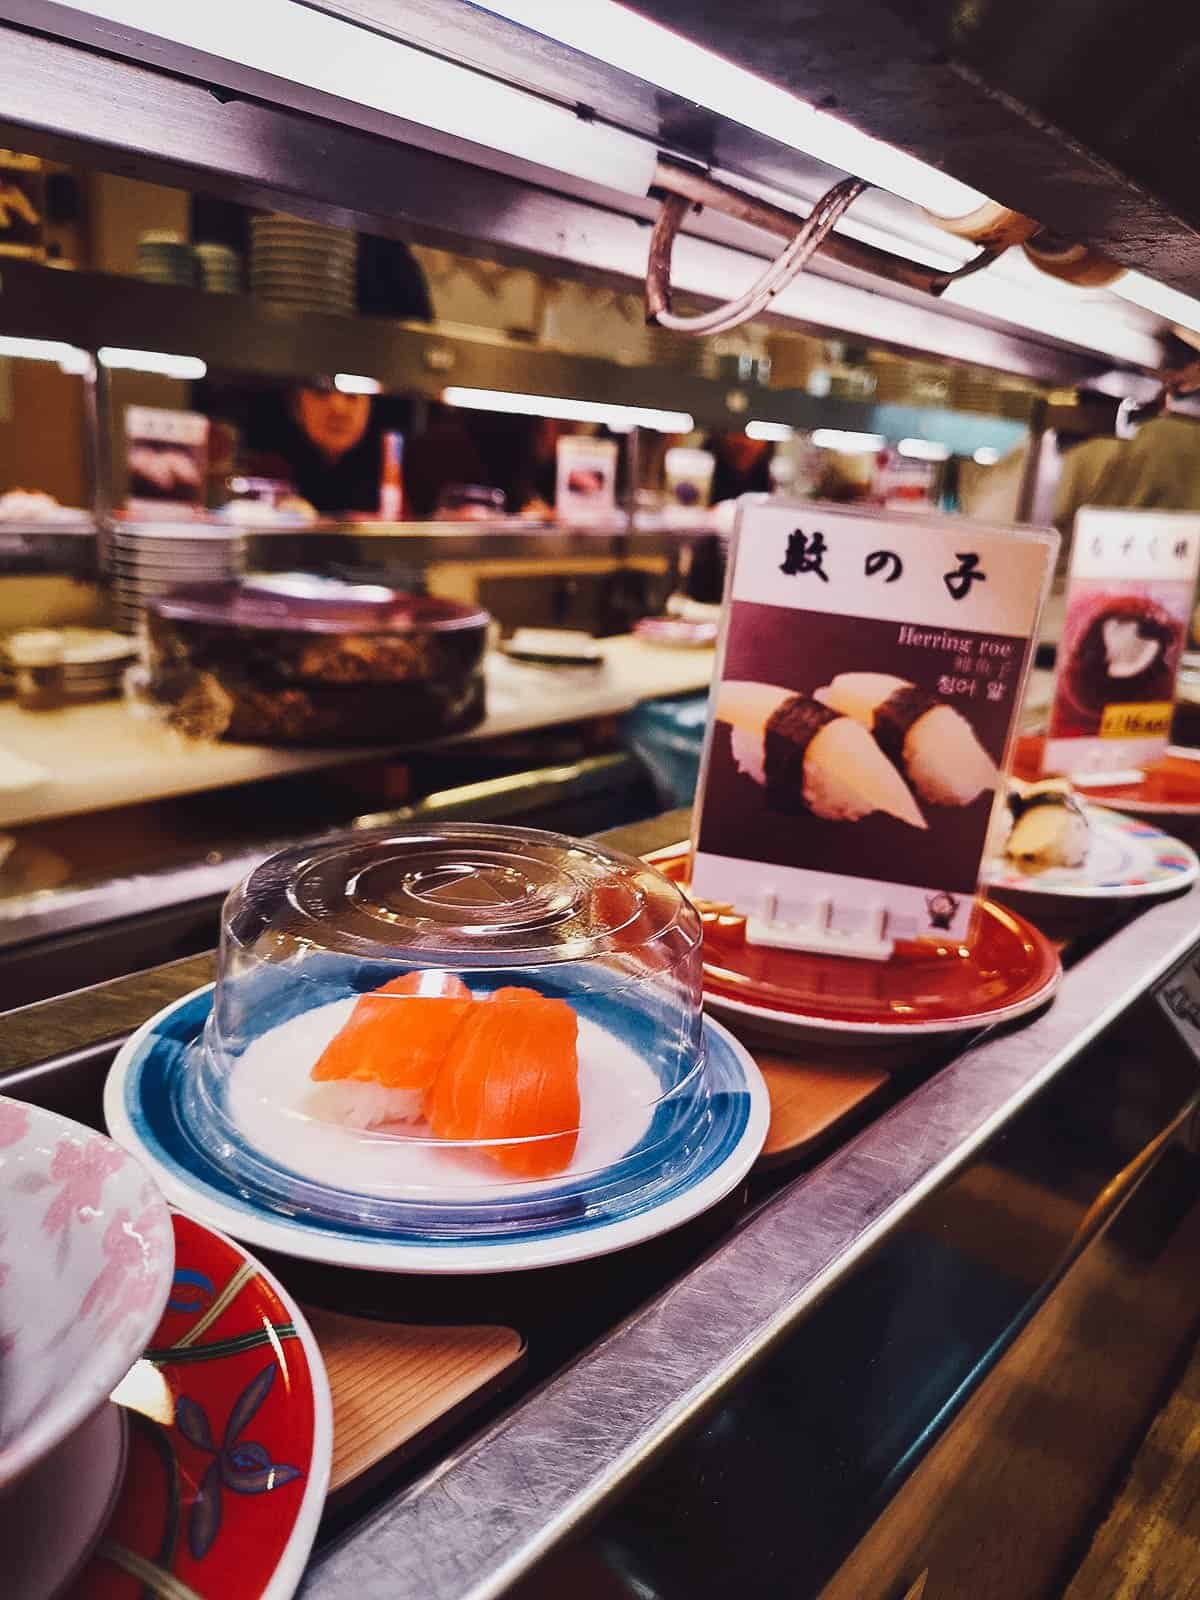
104	755
469	1528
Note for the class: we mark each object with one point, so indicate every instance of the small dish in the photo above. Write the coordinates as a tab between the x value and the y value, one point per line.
140	1106
85	1265
676	633
927	988
231	1439
1127	860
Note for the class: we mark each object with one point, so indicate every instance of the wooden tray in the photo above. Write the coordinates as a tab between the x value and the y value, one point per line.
390	1382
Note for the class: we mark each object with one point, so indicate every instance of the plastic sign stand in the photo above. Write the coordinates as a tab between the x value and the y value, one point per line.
870	671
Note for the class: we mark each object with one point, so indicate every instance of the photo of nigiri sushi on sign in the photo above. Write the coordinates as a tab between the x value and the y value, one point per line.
1129	598
870	671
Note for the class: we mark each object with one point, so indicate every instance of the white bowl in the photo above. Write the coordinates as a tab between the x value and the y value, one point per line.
87	1256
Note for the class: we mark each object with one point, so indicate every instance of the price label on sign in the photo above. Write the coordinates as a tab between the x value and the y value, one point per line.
1179	997
1129	602
871	667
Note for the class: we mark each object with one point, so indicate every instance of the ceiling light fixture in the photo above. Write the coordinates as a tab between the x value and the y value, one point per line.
611	33
332	55
774	432
156	361
68	356
1159	298
924	450
986	456
848	443
356	383
618	418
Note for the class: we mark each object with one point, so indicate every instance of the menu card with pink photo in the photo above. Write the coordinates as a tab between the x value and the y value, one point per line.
870	670
1129	602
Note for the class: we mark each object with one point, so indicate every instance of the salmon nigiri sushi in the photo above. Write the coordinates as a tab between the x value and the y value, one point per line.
513	1074
381	1065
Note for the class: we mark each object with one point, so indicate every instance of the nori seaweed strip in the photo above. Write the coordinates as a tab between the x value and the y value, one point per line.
895	716
1019	804
789	731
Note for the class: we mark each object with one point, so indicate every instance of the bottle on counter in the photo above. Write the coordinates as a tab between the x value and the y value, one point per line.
391	479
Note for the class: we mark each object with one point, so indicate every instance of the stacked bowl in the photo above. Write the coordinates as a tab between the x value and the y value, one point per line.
165	257
220	268
147	560
307	266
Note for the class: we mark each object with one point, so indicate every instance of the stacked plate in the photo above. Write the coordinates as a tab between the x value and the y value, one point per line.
145	561
94	662
164	257
220	268
306	265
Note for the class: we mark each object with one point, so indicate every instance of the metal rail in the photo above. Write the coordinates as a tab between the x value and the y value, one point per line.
71	102
472	1527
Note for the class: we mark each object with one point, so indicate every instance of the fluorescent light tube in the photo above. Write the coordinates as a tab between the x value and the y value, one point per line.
609	32
776	432
68	356
986	456
333	56
924	450
848	443
1159	298
157	361
356	383
619	418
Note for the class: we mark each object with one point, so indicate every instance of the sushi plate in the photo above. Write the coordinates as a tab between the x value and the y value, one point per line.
1169	787
1010	969
141	1107
230	1439
1127	860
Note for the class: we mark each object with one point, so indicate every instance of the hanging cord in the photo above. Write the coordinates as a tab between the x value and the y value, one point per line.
816	227
685	188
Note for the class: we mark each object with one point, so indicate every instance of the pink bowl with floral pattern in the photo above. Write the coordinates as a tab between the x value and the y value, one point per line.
86	1258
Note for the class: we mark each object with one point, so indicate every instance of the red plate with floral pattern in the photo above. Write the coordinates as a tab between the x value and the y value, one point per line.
1008	969
230	1439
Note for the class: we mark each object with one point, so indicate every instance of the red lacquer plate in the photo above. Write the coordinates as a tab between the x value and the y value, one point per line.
230	1440
1170	787
1009	969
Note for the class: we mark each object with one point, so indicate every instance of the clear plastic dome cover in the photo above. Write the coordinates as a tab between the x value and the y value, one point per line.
458	1028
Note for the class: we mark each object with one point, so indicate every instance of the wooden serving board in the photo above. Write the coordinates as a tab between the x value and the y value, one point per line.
390	1381
810	1098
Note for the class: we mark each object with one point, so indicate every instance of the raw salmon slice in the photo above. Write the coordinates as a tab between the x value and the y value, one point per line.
513	1073
399	1043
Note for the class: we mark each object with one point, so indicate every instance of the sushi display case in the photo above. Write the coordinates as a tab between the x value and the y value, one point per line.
978	1273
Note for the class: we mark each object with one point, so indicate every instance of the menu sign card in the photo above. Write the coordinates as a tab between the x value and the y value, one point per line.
166	458
1129	601
869	673
1179	997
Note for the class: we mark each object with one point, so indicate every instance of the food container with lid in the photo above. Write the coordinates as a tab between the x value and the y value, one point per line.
462	1031
295	658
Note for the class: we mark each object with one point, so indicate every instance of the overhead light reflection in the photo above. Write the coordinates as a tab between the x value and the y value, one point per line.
848	443
609	32
618	418
924	449
156	361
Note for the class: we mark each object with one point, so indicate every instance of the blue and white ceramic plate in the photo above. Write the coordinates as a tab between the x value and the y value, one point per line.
1127	859
145	1106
